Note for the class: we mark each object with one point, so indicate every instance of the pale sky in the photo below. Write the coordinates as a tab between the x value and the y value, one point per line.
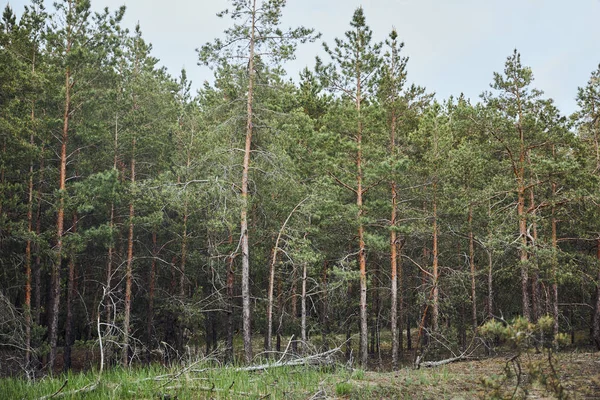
454	45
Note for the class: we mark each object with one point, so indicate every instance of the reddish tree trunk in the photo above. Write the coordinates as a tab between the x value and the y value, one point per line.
70	298
60	220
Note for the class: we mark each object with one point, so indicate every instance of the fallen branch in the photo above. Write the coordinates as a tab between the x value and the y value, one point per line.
430	364
315	359
71	393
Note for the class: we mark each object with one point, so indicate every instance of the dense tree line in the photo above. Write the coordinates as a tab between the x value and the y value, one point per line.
344	204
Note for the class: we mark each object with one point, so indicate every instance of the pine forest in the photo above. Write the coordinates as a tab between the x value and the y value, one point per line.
342	218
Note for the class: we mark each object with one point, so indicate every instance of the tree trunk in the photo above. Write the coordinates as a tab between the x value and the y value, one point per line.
303	309
596	320
151	292
394	284
294	308
269	332
523	251
60	219
184	240
435	312
362	256
325	313
472	268
535	285
408	334
279	310
70	298
230	285
554	263
27	311
111	246
37	274
400	302
246	314
129	268
490	277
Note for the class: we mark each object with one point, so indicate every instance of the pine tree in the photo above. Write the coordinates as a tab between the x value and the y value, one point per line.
352	74
257	36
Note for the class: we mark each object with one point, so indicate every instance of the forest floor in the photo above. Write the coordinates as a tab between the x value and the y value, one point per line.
577	373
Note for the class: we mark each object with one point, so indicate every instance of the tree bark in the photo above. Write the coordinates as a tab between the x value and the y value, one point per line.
325	312
60	216
394	253
129	268
111	224
70	298
472	268
490	277
435	312
362	256
151	291
303	309
554	223
37	278
519	171
535	285
230	285
28	315
246	314
523	254
596	319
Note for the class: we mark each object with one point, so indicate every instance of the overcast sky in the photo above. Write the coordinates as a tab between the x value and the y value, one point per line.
454	45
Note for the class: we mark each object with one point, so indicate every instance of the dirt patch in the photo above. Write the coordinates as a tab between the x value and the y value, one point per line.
579	375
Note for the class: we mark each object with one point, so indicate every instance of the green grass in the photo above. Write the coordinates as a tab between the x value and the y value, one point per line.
199	382
211	381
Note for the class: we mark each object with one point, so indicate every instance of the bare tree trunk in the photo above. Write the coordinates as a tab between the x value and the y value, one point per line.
435	312
268	334
362	256
230	285
184	240
535	285
70	297
523	251
279	310
596	319
151	291
60	217
490	277
246	315
28	319
325	313
394	284
472	267
37	278
401	306
554	264
129	269
111	246
303	309
294	307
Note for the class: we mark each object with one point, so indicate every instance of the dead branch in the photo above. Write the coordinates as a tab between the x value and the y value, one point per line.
430	364
315	359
